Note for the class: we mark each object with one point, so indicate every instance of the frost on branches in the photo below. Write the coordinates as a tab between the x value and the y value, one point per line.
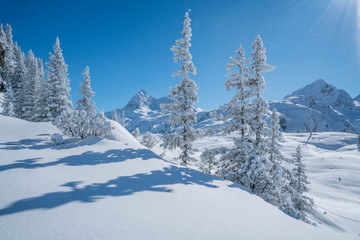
58	83
184	96
82	121
302	203
148	140
239	112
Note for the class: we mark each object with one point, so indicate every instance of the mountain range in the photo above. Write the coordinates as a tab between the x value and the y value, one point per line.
318	106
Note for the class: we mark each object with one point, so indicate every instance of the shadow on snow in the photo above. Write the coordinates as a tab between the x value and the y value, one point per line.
155	181
88	158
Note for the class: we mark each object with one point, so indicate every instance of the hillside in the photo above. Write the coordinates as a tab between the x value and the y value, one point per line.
105	189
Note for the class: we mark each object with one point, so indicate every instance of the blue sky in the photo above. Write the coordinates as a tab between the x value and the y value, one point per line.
127	44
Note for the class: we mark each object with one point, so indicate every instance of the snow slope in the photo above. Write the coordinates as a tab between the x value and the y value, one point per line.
105	189
328	156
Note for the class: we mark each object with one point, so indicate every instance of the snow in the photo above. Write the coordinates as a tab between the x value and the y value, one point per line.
104	189
327	156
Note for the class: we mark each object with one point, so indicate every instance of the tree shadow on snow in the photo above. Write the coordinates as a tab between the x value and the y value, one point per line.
155	181
88	158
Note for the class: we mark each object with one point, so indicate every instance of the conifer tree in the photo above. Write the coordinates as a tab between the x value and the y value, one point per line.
10	61
148	140
115	116
8	108
275	134
239	112
58	83
85	107
184	96
101	126
259	106
302	203
17	81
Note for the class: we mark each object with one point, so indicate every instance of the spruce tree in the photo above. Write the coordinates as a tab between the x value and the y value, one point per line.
86	107
238	111
259	106
58	83
184	96
17	81
115	116
10	60
302	203
148	140
8	108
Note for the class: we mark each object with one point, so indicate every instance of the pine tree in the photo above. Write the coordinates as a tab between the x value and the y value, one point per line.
58	83
239	112
275	154
302	203
148	140
86	107
10	61
101	126
259	106
42	111
136	132
17	81
8	108
31	88
115	116
3	43
184	96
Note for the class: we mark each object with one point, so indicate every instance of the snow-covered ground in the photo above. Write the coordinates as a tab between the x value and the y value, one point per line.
106	189
333	164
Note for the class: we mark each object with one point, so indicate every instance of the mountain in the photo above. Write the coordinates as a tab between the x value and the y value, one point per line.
144	112
99	188
318	106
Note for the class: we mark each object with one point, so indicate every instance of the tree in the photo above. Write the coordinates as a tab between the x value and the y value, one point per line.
184	96
8	108
85	107
101	126
58	83
115	116
136	132
31	88
9	56
259	106
238	111
276	136
17	82
301	202
148	140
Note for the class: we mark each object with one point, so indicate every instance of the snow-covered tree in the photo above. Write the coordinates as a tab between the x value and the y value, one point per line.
301	202
17	81
136	132
3	43
148	140
102	127
58	83
85	107
9	57
184	96
259	106
8	108
30	91
275	154
115	116
238	111
209	161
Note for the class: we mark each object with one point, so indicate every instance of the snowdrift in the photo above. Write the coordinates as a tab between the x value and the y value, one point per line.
106	189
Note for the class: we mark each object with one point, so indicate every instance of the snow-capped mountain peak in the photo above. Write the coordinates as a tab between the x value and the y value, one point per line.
138	101
323	93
